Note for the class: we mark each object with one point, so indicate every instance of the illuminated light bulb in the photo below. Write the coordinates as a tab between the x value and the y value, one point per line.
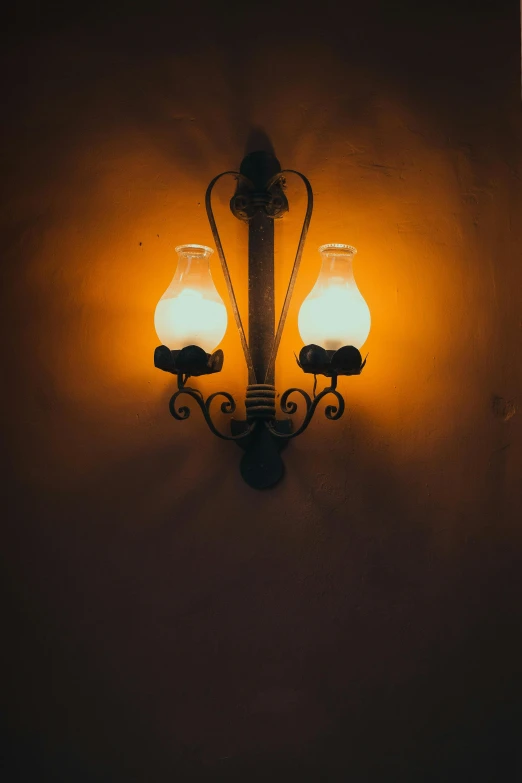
191	312
334	313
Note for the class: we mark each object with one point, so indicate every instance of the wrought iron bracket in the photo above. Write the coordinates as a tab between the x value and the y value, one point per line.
259	199
262	436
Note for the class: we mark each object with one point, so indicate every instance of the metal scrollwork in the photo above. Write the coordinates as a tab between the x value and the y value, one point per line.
289	406
228	406
332	412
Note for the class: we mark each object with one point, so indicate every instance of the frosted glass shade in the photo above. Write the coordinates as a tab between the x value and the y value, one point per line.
335	313
191	312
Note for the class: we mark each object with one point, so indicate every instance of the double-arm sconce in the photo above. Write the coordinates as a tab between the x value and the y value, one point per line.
191	320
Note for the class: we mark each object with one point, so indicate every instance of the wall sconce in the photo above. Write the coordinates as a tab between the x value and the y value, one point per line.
191	320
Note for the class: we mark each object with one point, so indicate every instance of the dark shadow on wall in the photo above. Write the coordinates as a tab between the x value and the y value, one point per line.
222	633
258	140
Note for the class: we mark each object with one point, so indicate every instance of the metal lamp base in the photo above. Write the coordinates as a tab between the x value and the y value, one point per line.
261	465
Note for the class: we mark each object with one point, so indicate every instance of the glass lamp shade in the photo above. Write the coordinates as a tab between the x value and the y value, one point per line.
191	312
334	313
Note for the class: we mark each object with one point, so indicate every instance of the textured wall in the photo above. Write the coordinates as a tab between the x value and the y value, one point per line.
361	620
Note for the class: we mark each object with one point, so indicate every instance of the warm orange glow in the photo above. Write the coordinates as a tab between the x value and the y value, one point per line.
413	264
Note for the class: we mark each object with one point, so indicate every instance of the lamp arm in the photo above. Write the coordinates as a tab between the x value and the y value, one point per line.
226	273
228	406
332	412
297	262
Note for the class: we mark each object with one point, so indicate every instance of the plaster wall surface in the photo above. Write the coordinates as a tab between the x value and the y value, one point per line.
360	621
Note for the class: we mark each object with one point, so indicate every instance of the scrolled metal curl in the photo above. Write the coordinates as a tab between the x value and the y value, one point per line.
332	412
228	406
290	407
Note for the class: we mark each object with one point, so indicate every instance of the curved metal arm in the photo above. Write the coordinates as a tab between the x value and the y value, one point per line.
228	407
332	412
226	274
295	269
